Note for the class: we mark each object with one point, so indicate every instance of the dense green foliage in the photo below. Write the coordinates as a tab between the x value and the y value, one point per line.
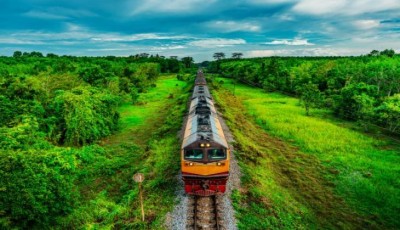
52	112
146	143
303	181
354	87
36	186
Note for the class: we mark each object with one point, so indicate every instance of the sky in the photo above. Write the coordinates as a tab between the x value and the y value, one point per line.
199	28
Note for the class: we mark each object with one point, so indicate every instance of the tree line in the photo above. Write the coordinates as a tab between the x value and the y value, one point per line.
364	89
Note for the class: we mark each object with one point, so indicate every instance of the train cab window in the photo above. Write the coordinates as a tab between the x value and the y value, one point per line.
216	154
194	154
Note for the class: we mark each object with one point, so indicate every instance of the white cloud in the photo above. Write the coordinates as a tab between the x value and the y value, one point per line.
59	13
135	37
232	26
216	42
305	52
170	5
44	15
291	42
18	41
319	7
366	24
260	53
286	17
344	7
270	2
167	47
74	27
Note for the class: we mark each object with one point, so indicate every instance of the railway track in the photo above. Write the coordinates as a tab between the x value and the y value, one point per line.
205	213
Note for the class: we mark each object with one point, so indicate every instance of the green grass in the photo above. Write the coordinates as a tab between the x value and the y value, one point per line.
363	171
151	107
147	143
150	103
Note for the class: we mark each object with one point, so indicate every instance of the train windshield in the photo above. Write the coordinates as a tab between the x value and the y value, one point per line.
216	154
194	154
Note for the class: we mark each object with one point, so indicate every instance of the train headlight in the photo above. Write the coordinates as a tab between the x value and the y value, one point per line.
208	145
219	163
191	164
202	145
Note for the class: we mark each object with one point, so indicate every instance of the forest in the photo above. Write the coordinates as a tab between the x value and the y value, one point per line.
365	89
54	113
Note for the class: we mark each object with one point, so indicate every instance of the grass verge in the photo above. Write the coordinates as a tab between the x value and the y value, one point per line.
147	143
326	177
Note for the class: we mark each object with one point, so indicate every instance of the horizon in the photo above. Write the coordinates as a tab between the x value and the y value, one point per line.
256	28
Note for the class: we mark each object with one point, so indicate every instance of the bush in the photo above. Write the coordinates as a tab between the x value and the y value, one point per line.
86	115
36	187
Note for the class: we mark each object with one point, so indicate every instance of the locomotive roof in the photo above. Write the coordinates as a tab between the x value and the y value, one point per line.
200	132
196	103
201	90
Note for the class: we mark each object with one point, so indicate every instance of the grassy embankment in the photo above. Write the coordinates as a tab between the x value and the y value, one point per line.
323	175
147	143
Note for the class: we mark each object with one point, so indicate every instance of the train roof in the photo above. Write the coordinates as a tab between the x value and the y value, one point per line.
201	90
204	128
200	79
201	102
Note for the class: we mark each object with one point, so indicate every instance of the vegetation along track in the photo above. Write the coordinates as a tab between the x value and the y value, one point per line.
205	212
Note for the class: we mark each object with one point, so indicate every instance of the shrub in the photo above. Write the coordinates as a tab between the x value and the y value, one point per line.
86	115
36	187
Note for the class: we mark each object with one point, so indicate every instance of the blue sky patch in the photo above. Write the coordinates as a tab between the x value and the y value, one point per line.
200	28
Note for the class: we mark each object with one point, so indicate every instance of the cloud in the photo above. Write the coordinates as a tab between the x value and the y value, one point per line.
216	42
291	42
344	7
195	27
44	15
16	41
305	52
233	26
170	6
74	33
167	47
366	24
59	13
271	2
135	37
260	53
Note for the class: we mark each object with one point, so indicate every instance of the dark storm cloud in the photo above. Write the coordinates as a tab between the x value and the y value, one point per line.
198	27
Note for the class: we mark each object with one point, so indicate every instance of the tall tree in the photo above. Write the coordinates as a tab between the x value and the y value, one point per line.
237	55
389	112
310	96
17	54
388	52
219	55
374	53
187	61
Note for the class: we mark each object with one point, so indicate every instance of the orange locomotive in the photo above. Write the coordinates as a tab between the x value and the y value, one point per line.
204	152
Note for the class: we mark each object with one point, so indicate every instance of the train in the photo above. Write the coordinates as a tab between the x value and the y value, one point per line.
205	154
